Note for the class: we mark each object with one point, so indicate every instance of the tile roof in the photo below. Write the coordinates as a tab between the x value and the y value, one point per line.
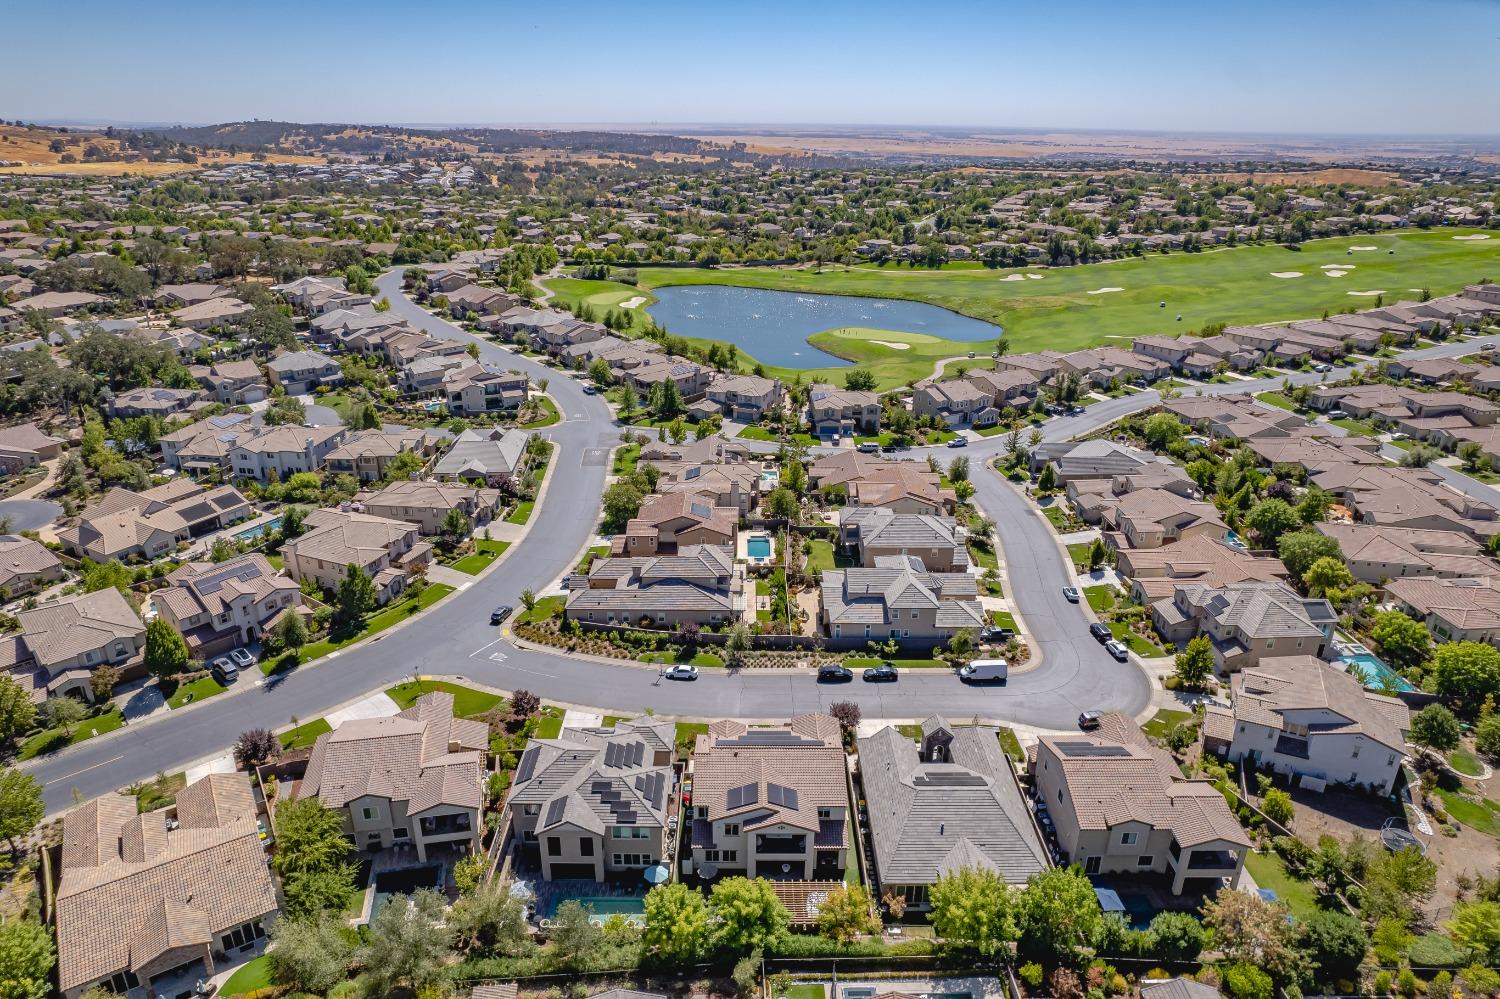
1266	692
61	630
806	755
597	778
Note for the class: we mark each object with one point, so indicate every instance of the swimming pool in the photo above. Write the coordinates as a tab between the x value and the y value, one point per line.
252	533
403	882
758	547
1377	675
605	905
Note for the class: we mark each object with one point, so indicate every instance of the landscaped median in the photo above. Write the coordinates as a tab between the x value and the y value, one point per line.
484	555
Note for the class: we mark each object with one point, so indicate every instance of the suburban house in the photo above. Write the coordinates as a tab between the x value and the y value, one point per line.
897	598
836	412
153	522
593	803
875	532
26	566
24	446
1150	518
690	377
211	313
771	802
745	398
1092	459
863	480
950	803
476	389
159	402
415	778
286	451
427	504
1454	610
734	485
218	607
333	540
1376	554
62	642
158	900
367	454
234	383
1299	716
700	584
1120	806
494	456
300	372
1155	573
1246	622
667	523
204	447
956	402
174	296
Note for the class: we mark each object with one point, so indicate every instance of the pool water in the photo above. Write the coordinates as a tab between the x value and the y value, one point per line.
392	883
759	548
250	535
1376	673
605	905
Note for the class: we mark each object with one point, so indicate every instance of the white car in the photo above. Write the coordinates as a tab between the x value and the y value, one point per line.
1117	649
242	658
682	671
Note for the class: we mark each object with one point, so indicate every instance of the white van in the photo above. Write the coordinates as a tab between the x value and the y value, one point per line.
984	671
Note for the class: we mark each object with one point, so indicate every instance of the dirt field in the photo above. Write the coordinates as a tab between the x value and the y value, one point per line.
1336	175
33	147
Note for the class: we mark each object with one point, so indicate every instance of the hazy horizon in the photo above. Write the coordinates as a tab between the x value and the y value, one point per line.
1279	68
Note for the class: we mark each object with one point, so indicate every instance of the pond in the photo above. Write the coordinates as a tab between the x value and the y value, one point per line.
773	326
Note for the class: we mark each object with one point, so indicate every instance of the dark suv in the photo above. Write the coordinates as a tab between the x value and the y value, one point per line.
834	673
1100	632
499	614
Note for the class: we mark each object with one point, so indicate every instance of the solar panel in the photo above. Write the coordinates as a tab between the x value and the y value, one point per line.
745	794
555	811
612	754
1091	749
527	766
776	794
701	510
637	753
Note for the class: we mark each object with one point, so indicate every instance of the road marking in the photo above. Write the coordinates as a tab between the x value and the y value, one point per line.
533	672
498	657
485	646
85	770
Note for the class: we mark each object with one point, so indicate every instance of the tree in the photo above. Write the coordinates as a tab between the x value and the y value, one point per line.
1162	430
21	806
312	857
255	747
750	915
1176	936
973	909
456	524
1327	574
1300	549
622	501
27	955
847	714
1047	481
1405	642
860	380
847	914
63	712
1398	884
166	654
737	642
1436	728
489	920
782	503
1314	505
17	713
1242	980
1270	519
1277	805
1195	663
1059	912
356	597
1469	671
1248	929
573	934
407	944
291	630
958	469
1487	736
102	682
1336	942
1476	926
677	926
524	704
310	954
1472	455
1097	554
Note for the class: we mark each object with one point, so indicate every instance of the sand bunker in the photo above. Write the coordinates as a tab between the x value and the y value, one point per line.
1286	274
1363	249
1033	277
1338	267
1014	277
1474	235
893	344
633	303
1104	291
1368	294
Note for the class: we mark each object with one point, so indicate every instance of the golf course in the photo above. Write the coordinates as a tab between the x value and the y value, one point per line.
1068	308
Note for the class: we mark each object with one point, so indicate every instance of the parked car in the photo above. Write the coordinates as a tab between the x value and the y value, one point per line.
590	390
1117	648
1100	631
884	673
984	671
499	614
995	633
1400	437
1075	411
1089	720
959	442
1336	414
242	658
223	670
1322	367
682	671
1487	345
834	673
1070	593
867	447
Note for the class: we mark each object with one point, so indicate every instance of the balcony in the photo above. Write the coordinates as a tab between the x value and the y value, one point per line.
1287	745
446	825
796	845
1212	860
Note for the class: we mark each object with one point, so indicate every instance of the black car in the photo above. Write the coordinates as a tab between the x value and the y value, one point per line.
833	673
997	634
884	673
499	614
1089	720
1100	632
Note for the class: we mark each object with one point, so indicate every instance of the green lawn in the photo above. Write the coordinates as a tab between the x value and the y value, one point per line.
680	656
550	416
549	725
1003	619
604	296
522	513
1481	814
1057	517
304	735
249	977
467	702
1011	745
1079	553
1278	400
810	991
759	433
626	457
598	551
1137	644
200	689
376	623
341	404
54	738
485	553
545	608
1465	762
985	558
1101	597
1164	721
686	733
820	556
1269	872
1230	285
1360	428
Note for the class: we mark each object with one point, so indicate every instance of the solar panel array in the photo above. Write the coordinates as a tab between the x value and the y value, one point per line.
527	766
776	794
214	581
745	794
624	754
653	786
555	811
1078	749
768	737
611	798
701	510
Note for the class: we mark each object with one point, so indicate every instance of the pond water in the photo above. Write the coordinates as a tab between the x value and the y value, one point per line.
773	326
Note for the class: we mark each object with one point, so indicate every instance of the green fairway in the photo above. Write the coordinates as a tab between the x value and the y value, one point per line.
1057	312
602	295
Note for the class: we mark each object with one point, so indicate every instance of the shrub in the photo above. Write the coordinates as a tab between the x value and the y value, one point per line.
1435	950
1031	973
1245	981
1382	983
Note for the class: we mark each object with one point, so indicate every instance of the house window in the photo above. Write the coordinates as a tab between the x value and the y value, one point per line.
730	856
1127	839
530	809
400	833
632	860
731	829
369	813
1145	861
913	615
702	811
825	813
710	856
1091	865
554	846
529	836
586	848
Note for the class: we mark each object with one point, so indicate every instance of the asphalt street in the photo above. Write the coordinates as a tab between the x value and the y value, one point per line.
454	637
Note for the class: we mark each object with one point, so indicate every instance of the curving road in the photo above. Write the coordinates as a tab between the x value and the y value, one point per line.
454	637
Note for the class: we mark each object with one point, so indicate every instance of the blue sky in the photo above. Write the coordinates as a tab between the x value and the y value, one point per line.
1329	66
